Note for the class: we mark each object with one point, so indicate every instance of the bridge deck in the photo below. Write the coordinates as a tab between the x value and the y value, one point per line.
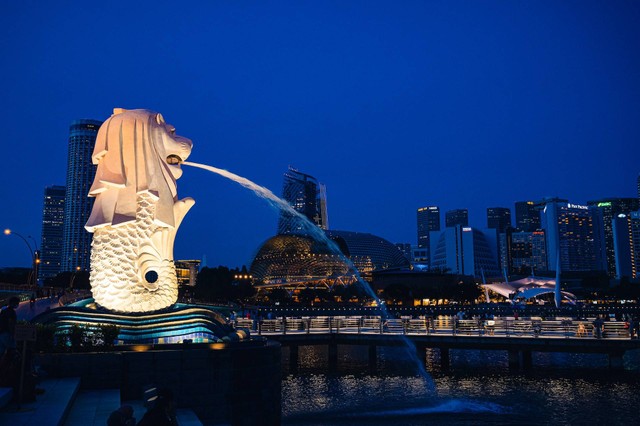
558	335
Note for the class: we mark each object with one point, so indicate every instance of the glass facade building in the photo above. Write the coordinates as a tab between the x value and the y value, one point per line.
52	232
527	216
187	272
307	197
634	228
465	251
624	248
80	173
527	251
569	234
428	220
498	218
456	217
603	213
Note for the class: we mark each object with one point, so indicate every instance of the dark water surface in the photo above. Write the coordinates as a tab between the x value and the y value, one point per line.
478	389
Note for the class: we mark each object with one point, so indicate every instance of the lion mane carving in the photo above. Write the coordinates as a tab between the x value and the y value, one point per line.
136	212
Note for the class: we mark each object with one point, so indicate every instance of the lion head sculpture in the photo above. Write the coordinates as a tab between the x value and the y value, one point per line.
136	212
135	151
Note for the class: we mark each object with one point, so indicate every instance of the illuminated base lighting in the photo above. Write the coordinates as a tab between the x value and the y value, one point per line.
178	324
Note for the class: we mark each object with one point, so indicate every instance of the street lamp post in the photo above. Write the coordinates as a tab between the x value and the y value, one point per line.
35	256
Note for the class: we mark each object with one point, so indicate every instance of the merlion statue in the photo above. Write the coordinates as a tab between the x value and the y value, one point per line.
136	213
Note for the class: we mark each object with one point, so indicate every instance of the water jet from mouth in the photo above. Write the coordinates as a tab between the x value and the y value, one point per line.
318	234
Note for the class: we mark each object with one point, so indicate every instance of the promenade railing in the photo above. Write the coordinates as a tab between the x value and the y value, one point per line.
567	328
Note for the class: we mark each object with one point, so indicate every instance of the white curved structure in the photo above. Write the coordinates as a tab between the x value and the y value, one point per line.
136	213
527	288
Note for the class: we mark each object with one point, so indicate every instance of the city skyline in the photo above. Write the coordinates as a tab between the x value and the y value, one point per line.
393	108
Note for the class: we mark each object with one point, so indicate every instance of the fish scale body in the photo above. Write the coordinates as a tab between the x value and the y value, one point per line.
116	253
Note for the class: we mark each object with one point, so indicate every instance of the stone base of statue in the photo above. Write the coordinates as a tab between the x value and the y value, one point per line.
221	373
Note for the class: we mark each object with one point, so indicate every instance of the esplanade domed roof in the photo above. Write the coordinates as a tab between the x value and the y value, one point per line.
294	257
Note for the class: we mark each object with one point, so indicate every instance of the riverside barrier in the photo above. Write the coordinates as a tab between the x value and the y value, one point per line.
519	337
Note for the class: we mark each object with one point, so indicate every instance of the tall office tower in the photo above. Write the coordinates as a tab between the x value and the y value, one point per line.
52	225
456	217
624	247
420	256
324	212
498	218
569	233
307	197
634	224
638	185
504	248
466	251
428	220
527	251
603	212
76	247
527	216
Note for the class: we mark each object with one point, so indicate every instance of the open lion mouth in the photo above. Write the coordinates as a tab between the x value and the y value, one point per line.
174	159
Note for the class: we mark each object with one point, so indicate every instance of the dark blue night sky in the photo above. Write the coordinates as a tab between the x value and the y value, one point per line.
393	105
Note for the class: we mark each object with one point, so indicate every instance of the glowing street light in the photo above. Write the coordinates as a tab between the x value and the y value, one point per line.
35	255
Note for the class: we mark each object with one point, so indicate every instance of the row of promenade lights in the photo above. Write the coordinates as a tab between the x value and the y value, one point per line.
35	256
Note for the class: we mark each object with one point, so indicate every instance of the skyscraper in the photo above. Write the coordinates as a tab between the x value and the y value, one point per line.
52	227
624	247
603	213
466	251
456	217
569	233
527	250
307	197
428	220
498	218
527	216
80	173
634	225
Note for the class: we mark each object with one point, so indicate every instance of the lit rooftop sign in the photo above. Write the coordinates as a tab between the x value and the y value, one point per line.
577	206
607	204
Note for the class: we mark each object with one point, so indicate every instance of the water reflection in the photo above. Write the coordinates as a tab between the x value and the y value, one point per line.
479	389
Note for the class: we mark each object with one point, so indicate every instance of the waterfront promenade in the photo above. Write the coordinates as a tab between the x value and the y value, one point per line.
519	337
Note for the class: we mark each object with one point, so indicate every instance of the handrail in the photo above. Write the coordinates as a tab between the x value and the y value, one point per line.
441	325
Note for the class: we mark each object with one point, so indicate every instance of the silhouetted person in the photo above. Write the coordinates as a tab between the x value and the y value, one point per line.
163	412
598	327
9	358
123	416
8	319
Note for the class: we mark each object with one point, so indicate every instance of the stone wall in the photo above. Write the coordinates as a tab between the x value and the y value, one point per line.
237	383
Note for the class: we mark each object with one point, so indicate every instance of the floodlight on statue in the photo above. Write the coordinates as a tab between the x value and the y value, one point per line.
136	213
